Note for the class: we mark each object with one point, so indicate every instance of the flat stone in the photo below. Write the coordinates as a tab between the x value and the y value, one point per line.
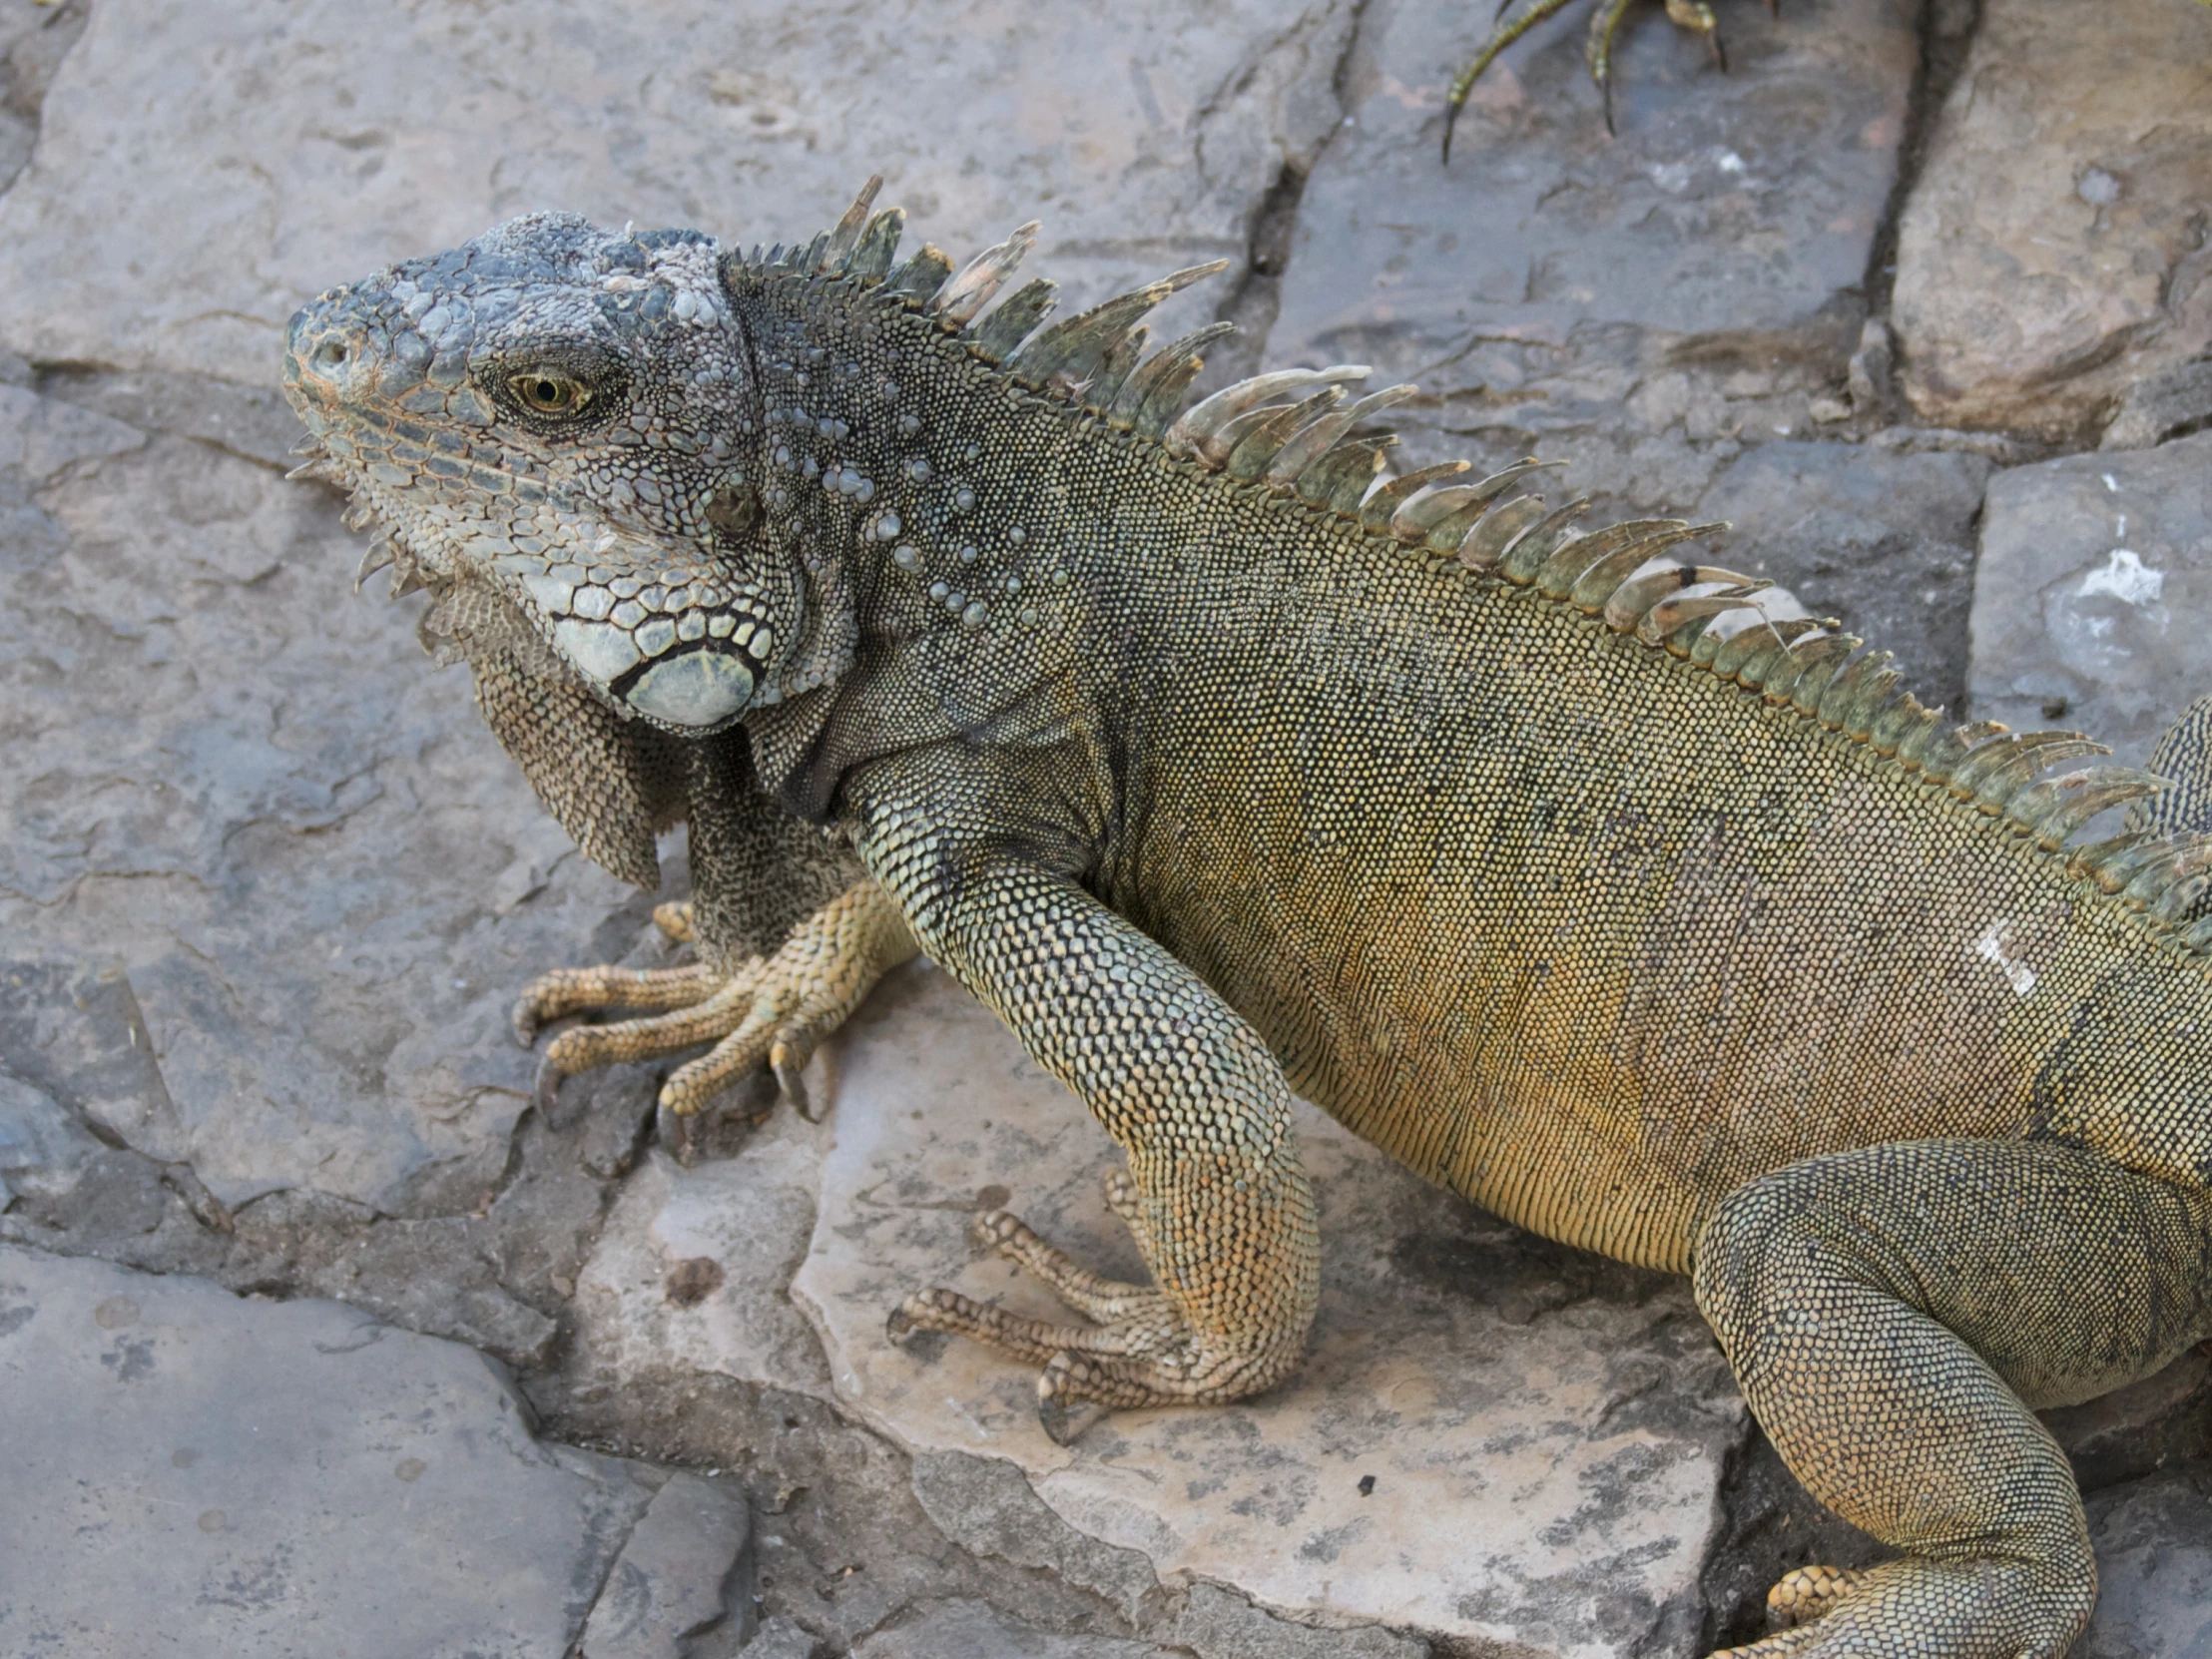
781	1637
1545	1433
310	878
325	138
224	1471
749	1217
2093	572
1885	542
1554	273
2137	1430
2154	1568
975	1630
672	1580
2052	251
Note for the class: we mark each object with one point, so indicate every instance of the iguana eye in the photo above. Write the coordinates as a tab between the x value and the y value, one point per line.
543	393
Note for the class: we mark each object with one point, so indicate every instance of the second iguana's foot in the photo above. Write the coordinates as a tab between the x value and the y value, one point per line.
776	1008
1606	17
1137	1350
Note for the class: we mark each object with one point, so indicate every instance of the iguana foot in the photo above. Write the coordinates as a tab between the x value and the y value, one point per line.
1806	1594
776	1008
1137	1349
1606	18
1792	1605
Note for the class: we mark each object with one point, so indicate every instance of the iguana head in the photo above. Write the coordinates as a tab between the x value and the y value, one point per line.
554	421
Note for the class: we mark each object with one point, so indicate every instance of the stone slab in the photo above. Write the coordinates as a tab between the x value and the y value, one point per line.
976	1631
211	1478
693	1269
1730	205
1545	1433
2052	251
243	798
2154	1568
672	1579
203	170
2094	575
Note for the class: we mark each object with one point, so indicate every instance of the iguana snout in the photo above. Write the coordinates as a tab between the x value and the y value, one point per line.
556	423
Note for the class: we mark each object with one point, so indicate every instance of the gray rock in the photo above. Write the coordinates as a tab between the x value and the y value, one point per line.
2154	1568
315	880
1215	1624
2166	403
234	1474
1882	541
44	1148
781	1637
34	37
2052	251
327	139
1629	305
975	1630
987	1506
2093	573
673	1578
1729	205
2137	1430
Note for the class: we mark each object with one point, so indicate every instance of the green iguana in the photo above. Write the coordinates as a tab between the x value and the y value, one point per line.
1221	765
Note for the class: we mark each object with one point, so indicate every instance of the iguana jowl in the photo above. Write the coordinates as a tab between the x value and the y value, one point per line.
1221	765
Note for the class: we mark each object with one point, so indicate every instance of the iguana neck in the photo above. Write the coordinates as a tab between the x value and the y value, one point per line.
924	498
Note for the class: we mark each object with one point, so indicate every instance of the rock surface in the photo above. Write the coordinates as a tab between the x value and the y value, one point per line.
2154	1568
2053	251
250	798
223	1471
671	1581
2094	575
327	139
1637	308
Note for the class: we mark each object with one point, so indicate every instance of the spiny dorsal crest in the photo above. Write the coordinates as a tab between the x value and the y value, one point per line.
1292	432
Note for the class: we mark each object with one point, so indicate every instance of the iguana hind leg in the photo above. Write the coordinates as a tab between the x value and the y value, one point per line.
1894	1313
773	1008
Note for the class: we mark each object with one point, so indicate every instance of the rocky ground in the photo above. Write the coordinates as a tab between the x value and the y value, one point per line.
316	1333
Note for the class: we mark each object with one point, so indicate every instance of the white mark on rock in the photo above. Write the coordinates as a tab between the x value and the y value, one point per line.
2111	483
2126	578
1996	946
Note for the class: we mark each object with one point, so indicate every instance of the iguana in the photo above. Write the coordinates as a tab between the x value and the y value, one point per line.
1222	763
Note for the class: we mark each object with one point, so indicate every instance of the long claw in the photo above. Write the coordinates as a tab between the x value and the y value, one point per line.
1501	38
776	1009
1696	16
546	1092
1597	52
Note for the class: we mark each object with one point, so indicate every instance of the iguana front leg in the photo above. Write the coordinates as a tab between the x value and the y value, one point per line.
1216	1194
774	1008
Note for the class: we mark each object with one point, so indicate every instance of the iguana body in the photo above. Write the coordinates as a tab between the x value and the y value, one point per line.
1219	770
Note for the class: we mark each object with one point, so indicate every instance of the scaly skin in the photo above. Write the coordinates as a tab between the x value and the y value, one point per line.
1218	771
